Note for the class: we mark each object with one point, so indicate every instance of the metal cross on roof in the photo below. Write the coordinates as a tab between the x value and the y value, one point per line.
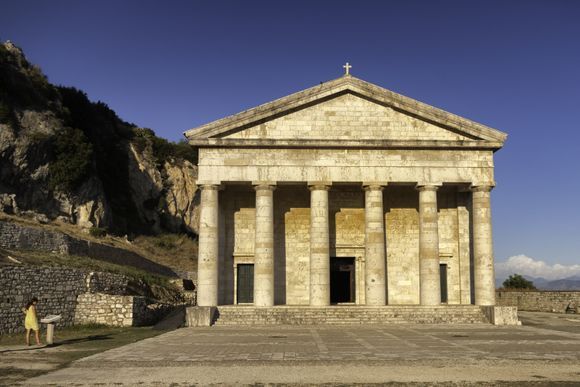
346	67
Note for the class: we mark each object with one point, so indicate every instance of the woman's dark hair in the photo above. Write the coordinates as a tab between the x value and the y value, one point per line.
32	301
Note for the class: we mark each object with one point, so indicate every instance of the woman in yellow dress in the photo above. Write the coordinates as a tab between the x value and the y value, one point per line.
31	321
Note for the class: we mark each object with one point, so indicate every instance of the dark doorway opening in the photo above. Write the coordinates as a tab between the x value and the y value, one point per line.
245	280
342	280
443	275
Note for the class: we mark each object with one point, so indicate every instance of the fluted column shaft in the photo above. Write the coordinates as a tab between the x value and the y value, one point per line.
207	266
319	246
483	246
264	246
430	281
375	264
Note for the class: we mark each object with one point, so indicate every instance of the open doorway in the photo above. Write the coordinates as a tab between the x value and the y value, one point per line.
342	280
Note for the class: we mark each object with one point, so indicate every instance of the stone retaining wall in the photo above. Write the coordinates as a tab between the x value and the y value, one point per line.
17	236
56	288
113	310
539	301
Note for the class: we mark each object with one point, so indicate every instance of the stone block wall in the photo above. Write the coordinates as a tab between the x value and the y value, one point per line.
56	288
344	117
112	310
347	239
17	236
539	301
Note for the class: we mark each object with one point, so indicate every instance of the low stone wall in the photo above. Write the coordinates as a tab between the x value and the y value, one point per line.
17	236
113	310
539	301
56	288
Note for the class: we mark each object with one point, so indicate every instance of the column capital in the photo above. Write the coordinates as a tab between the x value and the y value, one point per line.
319	185
374	186
210	186
481	188
427	187
264	185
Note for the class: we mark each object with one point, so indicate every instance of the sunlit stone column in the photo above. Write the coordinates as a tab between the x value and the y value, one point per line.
482	246
429	246
319	245
264	246
207	266
375	268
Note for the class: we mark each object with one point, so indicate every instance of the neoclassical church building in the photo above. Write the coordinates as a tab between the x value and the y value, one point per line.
345	193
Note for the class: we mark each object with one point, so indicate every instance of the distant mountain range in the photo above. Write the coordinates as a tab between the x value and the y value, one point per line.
569	283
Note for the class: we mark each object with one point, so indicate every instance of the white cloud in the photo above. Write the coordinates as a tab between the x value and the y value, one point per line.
524	265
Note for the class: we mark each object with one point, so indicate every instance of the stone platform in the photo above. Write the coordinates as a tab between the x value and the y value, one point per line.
237	315
545	354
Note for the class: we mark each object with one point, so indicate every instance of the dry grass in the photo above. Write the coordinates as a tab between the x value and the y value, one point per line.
71	344
176	251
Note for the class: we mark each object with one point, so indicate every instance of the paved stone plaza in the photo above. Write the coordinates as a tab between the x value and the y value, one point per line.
545	352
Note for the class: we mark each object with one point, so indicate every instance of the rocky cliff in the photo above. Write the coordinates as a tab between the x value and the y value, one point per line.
65	158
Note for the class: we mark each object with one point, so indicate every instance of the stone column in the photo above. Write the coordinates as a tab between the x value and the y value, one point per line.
430	281
375	268
319	245
483	272
264	246
207	263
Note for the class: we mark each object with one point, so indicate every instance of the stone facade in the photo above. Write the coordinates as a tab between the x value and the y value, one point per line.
540	301
346	187
113	310
56	289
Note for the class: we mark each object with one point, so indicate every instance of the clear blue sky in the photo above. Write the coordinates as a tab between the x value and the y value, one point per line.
512	65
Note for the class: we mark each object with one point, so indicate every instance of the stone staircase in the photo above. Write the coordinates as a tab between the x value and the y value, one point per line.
234	315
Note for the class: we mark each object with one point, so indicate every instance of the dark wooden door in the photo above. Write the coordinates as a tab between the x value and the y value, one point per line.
245	284
443	275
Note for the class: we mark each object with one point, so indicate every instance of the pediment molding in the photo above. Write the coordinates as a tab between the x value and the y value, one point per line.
481	134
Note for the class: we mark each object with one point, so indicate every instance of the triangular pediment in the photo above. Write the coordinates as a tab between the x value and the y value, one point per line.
346	109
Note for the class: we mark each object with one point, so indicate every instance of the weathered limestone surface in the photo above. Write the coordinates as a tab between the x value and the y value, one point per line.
344	117
347	239
429	246
501	315
207	277
375	276
349	165
319	246
293	244
483	247
540	301
264	246
336	138
56	288
464	246
113	310
200	316
402	229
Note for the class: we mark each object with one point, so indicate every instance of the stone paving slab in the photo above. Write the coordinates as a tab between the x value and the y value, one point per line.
348	354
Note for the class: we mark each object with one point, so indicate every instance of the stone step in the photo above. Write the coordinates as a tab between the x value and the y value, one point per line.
349	315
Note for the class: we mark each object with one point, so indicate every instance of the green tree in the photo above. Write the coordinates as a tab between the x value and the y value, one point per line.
516	281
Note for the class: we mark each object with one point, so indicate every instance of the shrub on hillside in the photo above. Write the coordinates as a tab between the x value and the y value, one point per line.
161	149
98	232
72	163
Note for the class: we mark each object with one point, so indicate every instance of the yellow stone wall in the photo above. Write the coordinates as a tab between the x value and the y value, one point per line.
347	228
347	117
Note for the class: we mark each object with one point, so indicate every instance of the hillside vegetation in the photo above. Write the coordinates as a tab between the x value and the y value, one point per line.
65	158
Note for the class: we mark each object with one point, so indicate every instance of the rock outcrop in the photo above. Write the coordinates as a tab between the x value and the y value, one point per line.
65	158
